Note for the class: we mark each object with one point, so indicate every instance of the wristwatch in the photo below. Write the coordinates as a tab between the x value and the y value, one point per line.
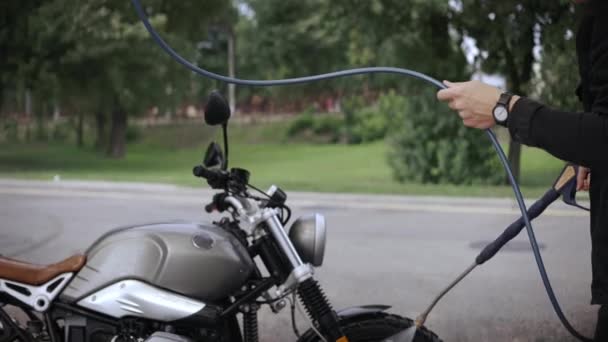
501	110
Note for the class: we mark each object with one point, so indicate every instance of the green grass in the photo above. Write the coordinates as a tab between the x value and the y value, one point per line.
166	155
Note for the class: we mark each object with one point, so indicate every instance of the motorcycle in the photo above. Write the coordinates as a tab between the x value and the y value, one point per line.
183	282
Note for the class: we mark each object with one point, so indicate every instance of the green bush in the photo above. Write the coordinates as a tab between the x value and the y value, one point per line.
429	144
368	124
371	123
133	134
61	132
328	126
316	127
11	130
304	122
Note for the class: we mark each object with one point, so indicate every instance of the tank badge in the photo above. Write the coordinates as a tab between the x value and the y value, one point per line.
204	241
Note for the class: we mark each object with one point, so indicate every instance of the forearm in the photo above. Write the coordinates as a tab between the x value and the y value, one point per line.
581	138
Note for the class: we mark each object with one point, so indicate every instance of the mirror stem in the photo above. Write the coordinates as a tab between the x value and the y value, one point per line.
225	129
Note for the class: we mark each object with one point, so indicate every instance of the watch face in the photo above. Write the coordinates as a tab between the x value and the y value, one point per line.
500	114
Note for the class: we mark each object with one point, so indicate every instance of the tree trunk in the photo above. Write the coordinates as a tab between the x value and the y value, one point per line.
118	132
231	70
80	130
28	102
40	133
100	130
28	113
56	111
515	159
2	98
518	78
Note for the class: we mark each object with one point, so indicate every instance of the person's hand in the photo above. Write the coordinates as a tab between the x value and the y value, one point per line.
473	100
583	179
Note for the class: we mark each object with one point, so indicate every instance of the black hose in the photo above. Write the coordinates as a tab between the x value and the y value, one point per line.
385	70
537	256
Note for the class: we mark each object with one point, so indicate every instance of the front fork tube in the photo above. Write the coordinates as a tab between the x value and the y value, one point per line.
299	270
318	307
320	311
280	236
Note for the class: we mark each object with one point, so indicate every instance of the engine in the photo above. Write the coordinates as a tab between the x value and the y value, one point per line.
76	328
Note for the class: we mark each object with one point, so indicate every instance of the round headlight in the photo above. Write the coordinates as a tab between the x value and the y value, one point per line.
308	235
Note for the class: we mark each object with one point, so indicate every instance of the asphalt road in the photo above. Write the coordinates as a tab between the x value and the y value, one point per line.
381	249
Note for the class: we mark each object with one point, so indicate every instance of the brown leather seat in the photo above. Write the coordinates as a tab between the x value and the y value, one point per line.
32	274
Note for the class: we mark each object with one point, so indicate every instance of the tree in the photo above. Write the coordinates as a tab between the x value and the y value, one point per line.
101	59
15	38
507	33
281	39
559	75
294	38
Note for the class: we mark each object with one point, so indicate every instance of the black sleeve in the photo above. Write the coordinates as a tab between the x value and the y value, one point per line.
580	138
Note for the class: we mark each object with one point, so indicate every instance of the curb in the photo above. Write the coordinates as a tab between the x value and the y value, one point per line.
173	193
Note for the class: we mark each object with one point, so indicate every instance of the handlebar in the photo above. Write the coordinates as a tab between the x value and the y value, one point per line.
222	201
217	179
235	180
202	172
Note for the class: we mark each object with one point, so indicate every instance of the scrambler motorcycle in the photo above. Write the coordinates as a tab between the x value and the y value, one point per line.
183	282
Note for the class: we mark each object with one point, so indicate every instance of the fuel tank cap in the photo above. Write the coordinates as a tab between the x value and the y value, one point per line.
203	241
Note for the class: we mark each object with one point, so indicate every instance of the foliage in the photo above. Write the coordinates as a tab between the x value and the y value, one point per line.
95	56
432	146
10	131
295	38
559	76
507	33
60	132
133	134
315	127
360	123
371	123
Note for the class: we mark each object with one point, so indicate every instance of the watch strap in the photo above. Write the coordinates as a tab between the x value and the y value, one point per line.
504	101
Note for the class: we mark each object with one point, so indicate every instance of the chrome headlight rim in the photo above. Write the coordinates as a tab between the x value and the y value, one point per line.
308	234
320	240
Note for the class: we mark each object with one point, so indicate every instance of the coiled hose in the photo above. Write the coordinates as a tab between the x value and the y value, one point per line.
381	70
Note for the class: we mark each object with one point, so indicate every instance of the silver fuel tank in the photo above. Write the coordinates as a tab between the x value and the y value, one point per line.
196	260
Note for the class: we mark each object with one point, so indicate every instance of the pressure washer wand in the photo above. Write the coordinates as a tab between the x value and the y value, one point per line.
564	186
491	249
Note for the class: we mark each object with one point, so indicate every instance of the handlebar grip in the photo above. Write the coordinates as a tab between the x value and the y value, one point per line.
201	171
515	228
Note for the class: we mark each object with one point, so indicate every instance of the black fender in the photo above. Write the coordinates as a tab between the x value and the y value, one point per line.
361	313
355	311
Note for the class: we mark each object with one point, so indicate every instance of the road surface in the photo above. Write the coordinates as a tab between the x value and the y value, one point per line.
381	249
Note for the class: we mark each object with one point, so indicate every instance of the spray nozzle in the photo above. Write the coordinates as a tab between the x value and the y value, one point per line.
566	185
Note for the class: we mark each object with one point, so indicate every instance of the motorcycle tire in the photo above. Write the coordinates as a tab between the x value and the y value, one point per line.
375	328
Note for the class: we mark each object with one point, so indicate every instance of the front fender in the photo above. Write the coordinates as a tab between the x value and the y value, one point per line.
355	311
356	314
